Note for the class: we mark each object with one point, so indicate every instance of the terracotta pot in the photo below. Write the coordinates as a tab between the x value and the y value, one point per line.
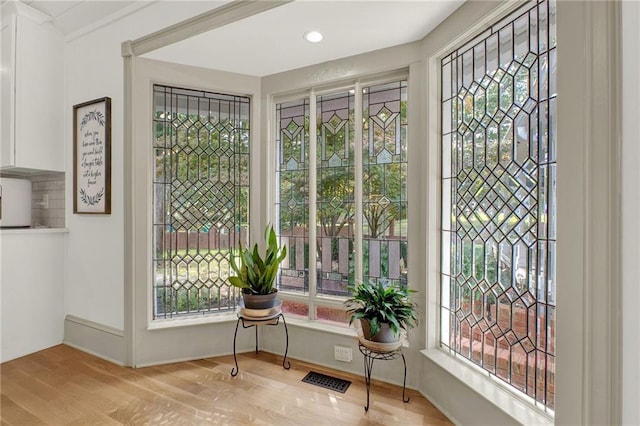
385	335
259	301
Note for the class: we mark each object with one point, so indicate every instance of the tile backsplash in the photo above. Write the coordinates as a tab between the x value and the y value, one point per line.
47	200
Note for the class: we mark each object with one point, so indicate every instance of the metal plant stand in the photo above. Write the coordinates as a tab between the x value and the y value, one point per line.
370	355
248	322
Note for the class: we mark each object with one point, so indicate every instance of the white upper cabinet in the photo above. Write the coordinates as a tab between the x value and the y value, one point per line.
32	127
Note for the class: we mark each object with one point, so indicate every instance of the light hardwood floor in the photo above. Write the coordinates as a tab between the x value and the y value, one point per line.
64	386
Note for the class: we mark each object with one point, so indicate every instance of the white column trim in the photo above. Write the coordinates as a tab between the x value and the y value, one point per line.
630	254
588	336
358	184
128	249
313	190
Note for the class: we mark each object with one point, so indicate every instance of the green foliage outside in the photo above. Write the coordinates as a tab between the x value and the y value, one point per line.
384	192
205	169
385	184
201	184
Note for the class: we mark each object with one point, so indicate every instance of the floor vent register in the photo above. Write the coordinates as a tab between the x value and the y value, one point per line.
328	382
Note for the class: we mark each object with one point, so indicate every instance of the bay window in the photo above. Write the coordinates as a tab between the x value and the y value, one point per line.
341	197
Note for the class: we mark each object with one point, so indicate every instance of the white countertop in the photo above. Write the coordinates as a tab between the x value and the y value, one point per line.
14	231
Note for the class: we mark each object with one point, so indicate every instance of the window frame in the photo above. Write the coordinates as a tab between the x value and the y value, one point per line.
151	341
492	29
311	298
497	393
236	100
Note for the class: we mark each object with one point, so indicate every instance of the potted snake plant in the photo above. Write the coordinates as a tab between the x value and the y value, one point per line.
383	310
256	274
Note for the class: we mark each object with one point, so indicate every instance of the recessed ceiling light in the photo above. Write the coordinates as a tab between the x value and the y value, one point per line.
313	36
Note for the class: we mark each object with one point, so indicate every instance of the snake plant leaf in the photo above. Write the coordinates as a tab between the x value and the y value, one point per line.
258	273
237	282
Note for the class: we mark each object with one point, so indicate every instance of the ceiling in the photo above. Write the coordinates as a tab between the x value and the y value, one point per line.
71	17
271	41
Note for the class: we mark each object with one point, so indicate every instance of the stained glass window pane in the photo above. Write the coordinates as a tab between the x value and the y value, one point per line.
499	216
292	203
384	194
384	158
335	192
333	316
295	309
200	198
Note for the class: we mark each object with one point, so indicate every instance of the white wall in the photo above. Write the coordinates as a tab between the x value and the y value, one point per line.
630	209
94	288
31	288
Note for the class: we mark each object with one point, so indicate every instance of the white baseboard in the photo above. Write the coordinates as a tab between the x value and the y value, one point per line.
96	339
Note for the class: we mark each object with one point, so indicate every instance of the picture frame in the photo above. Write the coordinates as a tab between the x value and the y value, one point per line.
92	157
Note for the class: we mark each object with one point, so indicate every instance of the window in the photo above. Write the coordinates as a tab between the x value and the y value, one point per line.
351	183
498	199
200	198
384	158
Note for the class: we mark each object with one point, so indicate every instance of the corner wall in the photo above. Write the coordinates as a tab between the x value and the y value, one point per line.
94	282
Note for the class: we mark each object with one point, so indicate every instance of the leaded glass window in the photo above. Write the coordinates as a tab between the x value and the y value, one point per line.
498	197
293	192
335	191
333	156
200	198
384	159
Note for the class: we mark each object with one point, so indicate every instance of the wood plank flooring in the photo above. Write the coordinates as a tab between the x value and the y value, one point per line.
64	386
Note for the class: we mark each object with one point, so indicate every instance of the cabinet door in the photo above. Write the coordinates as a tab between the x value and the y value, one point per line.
7	95
39	96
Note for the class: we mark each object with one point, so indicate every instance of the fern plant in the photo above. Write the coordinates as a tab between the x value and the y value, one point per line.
380	303
255	274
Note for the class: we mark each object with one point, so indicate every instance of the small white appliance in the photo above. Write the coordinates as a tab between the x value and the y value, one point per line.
15	203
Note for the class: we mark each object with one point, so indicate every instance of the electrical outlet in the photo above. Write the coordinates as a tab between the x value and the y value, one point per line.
342	353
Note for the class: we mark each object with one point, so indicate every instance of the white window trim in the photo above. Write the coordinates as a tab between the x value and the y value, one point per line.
631	206
201	319
589	377
180	320
313	199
